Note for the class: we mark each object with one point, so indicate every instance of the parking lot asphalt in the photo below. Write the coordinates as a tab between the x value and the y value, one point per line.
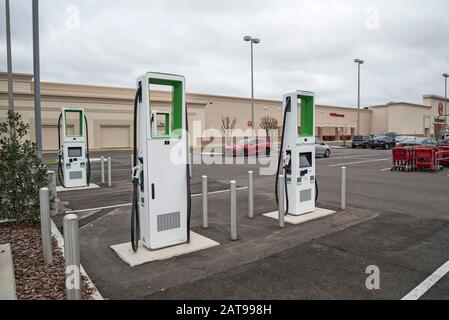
396	221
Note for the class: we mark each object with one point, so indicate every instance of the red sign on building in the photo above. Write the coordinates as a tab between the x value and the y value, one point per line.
440	109
338	115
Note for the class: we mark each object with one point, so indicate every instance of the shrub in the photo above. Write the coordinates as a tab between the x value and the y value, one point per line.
22	173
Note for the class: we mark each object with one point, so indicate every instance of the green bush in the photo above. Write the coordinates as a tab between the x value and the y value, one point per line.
22	173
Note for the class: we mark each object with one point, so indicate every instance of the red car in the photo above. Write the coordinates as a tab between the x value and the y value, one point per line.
247	147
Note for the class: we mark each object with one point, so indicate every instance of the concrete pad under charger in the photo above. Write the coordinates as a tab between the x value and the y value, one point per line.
143	255
317	214
91	186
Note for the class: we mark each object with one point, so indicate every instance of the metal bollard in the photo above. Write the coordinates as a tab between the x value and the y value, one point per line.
281	197
72	257
53	193
205	209
132	164
250	194
191	164
102	170
343	188
109	172
47	248
234	234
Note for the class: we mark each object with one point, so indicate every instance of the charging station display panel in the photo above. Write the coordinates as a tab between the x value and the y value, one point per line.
305	160
75	152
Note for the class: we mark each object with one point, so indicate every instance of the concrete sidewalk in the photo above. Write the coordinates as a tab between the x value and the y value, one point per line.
7	279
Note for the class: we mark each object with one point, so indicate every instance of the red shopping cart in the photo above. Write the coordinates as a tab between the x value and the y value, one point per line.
403	159
426	159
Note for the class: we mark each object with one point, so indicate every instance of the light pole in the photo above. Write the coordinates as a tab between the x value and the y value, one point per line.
445	75
252	41
359	62
37	78
8	57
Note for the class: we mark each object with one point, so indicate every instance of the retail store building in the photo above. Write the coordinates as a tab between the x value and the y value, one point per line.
110	113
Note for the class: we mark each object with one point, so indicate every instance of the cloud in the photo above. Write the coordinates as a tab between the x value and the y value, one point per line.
305	45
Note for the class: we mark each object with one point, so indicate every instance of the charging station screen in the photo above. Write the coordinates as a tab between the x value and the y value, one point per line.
305	160
75	152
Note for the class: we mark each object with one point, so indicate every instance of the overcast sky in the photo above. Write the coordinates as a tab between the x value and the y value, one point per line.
306	45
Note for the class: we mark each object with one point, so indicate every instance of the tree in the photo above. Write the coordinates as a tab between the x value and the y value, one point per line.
228	124
269	123
22	173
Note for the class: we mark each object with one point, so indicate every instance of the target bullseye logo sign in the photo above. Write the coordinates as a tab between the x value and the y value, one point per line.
440	109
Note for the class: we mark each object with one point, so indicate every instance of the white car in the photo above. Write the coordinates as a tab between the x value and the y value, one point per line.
322	149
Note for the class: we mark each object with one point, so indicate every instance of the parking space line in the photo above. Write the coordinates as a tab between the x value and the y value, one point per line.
101	208
365	161
386	169
416	293
129	204
216	192
352	157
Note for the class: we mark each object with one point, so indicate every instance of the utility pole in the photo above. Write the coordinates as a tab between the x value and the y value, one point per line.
37	79
8	58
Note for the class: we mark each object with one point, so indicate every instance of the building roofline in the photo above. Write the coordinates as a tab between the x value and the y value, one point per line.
402	103
16	76
434	96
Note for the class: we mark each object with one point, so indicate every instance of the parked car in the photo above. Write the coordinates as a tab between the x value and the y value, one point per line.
384	142
322	148
361	142
417	142
430	143
247	147
400	139
387	134
410	142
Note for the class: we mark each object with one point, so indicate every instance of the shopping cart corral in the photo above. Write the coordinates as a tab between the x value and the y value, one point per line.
410	159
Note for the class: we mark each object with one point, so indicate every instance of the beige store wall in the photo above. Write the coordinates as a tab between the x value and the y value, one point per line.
379	119
406	119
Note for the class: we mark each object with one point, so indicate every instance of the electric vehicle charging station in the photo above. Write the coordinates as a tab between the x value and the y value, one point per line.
161	177
297	154
74	162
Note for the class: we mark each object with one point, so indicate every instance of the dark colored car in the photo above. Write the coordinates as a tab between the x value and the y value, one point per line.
388	134
361	142
384	142
410	142
418	142
248	147
430	143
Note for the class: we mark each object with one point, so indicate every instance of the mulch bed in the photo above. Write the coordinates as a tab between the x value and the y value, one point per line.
34	280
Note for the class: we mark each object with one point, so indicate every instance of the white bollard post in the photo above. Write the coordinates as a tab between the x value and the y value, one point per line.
343	188
234	233
205	208
250	194
72	257
109	172
102	170
53	193
281	197
47	247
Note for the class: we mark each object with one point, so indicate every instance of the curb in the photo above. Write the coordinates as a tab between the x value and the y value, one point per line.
60	241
